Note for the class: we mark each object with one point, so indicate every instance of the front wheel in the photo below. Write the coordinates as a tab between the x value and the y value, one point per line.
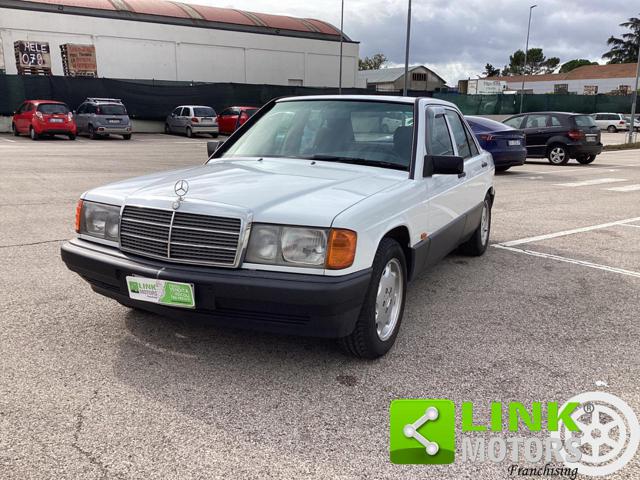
167	130
92	133
558	155
379	321
214	135
612	129
586	159
127	136
14	129
72	136
189	132
479	241
33	134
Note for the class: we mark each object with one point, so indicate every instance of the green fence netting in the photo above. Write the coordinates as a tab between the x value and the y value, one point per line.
510	104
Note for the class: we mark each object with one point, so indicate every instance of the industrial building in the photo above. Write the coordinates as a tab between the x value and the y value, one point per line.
163	40
614	79
421	78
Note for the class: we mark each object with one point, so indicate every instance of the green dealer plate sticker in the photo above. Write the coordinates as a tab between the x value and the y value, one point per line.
163	292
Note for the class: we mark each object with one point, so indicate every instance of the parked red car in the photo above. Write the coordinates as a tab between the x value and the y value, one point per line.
37	118
231	118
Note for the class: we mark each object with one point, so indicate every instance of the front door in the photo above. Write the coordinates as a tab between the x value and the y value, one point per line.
537	133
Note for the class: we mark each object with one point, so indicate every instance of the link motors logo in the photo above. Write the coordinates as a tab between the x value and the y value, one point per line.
594	433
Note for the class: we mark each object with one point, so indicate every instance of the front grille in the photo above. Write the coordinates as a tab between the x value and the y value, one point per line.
180	237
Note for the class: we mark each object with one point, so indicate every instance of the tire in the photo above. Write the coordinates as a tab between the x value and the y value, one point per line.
126	137
479	241
33	134
214	135
189	132
15	130
71	136
502	169
368	339
557	154
92	133
586	159
167	130
612	129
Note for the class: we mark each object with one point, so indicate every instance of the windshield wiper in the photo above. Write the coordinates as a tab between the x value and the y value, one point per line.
356	161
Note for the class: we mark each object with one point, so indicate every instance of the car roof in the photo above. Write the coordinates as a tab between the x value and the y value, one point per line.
193	106
546	113
373	98
45	101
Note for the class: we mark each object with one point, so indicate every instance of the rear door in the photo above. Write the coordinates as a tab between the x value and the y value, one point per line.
535	128
19	118
172	121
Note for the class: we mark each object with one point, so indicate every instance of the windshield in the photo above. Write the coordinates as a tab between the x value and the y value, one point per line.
52	108
368	132
204	112
111	110
584	121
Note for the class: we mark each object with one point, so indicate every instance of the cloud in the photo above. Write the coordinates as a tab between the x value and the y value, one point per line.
458	38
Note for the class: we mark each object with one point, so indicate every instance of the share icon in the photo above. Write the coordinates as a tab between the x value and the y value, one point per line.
410	430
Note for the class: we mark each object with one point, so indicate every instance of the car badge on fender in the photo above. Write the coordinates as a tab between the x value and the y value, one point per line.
181	188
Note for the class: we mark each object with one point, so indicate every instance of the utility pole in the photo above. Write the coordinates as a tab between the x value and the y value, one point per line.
341	42
406	54
526	52
635	97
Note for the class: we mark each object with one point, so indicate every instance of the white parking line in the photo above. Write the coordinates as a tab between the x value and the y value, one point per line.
626	188
7	140
583	263
629	225
595	181
538	238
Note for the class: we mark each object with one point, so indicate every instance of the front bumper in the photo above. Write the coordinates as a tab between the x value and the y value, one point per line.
278	302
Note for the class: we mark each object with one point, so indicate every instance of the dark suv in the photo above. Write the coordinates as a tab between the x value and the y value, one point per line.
559	136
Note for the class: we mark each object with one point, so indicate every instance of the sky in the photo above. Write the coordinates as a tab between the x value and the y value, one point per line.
456	38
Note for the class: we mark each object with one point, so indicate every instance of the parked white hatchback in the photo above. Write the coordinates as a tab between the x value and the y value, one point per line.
309	220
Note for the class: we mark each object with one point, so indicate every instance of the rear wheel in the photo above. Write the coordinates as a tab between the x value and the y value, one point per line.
612	129
189	132
586	159
167	130
92	133
33	134
558	154
14	129
379	321
502	169
127	136
71	136
214	135
479	241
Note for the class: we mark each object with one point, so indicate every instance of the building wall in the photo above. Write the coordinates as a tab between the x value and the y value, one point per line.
605	85
130	49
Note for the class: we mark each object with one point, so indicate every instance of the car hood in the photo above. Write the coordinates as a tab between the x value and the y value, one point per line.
277	190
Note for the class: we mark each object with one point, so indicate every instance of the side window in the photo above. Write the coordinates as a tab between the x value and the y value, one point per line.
536	121
472	143
176	111
185	112
438	138
555	121
82	109
459	134
225	112
599	117
514	122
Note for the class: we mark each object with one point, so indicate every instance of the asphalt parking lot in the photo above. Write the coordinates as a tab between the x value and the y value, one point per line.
90	389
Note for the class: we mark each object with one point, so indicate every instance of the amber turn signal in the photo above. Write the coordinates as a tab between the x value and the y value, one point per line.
341	248
78	215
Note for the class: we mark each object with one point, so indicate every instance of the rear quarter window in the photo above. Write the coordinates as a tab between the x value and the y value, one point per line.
584	121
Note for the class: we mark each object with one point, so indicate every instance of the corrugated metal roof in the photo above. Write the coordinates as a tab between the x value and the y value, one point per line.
587	72
180	12
386	75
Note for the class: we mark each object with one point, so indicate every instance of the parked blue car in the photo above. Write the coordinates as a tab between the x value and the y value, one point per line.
506	144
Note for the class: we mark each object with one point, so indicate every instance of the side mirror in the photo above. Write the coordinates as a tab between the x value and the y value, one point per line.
213	146
442	165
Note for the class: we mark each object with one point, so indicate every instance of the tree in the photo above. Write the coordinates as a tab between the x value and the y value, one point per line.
491	71
573	64
374	63
625	49
537	63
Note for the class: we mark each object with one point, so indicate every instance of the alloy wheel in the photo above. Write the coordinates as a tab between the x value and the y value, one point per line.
389	299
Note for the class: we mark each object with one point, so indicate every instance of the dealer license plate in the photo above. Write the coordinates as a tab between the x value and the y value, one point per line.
55	120
163	292
114	121
513	143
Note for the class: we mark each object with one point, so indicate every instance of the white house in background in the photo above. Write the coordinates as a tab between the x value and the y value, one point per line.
169	40
586	80
392	79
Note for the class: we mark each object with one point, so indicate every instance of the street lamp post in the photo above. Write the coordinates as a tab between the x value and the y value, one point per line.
341	42
635	97
406	53
526	52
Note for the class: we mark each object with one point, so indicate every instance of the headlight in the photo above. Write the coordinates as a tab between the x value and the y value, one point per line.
98	220
299	246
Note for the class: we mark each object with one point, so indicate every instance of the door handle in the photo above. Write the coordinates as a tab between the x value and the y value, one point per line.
462	175
484	164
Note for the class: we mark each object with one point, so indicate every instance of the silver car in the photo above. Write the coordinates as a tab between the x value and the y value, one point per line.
192	119
611	122
101	117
